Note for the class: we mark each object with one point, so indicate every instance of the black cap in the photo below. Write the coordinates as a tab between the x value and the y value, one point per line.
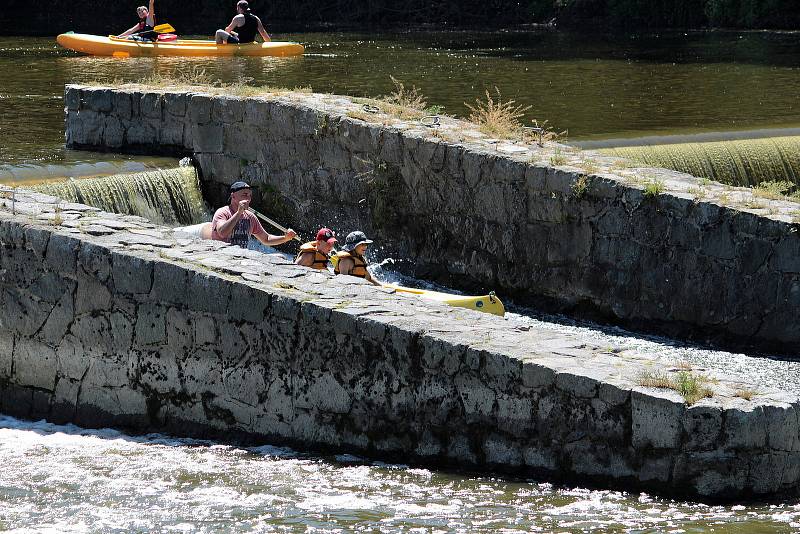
238	186
354	239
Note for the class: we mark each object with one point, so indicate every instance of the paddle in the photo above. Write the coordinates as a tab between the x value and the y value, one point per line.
270	221
160	28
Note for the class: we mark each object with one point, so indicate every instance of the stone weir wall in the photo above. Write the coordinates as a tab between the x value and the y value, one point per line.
110	320
554	227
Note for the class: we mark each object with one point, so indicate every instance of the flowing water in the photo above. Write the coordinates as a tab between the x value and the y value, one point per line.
742	163
169	196
66	479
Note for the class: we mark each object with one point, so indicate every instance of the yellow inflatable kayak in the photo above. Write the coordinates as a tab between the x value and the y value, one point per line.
483	303
98	45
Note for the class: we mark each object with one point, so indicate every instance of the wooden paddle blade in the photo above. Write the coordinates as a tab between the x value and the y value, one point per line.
164	28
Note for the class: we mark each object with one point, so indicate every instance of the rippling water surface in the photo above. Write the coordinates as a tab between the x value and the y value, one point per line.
594	86
67	479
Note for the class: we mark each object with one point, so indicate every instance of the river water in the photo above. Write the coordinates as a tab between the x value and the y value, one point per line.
67	479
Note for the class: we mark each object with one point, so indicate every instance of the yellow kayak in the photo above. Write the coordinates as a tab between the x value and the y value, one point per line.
483	303
98	45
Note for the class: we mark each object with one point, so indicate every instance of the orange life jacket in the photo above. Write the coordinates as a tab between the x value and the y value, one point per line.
359	268
320	259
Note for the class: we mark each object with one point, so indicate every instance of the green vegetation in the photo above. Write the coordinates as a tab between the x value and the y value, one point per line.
691	386
653	188
580	186
558	158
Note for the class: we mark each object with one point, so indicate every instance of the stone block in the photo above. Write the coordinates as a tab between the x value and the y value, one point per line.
656	468
106	373
91	296
477	399
36	240
35	364
208	138
537	376
150	105
205	330
323	393
613	395
59	321
540	458
122	106
172	131
22	314
114	133
460	449
786	257
99	100
199	109
62	254
227	110
256	113
142	133
73	362
745	427
783	432
159	372
207	293
242	142
72	98
428	445
656	420
50	287
702	424
6	355
151	327
170	283
175	104
498	450
90	129
766	472
131	275
577	385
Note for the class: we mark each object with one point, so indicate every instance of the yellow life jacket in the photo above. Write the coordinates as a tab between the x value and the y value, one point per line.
359	268
320	259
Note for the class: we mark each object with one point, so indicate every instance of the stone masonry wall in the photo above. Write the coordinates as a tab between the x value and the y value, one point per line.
110	320
475	212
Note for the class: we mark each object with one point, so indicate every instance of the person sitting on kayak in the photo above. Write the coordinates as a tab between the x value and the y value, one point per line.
234	224
243	27
351	258
315	253
144	28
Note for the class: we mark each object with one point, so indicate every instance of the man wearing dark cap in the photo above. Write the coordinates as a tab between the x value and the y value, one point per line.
234	224
351	258
314	254
243	27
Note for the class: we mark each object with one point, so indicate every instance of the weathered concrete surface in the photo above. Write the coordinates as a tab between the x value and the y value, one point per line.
110	320
500	213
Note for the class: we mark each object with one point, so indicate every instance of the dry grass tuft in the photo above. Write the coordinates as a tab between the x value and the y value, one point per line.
497	118
692	387
745	393
406	98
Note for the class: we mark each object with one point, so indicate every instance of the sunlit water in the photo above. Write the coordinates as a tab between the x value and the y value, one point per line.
67	479
594	86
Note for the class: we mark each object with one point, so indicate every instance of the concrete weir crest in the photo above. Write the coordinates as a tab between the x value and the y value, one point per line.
111	320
